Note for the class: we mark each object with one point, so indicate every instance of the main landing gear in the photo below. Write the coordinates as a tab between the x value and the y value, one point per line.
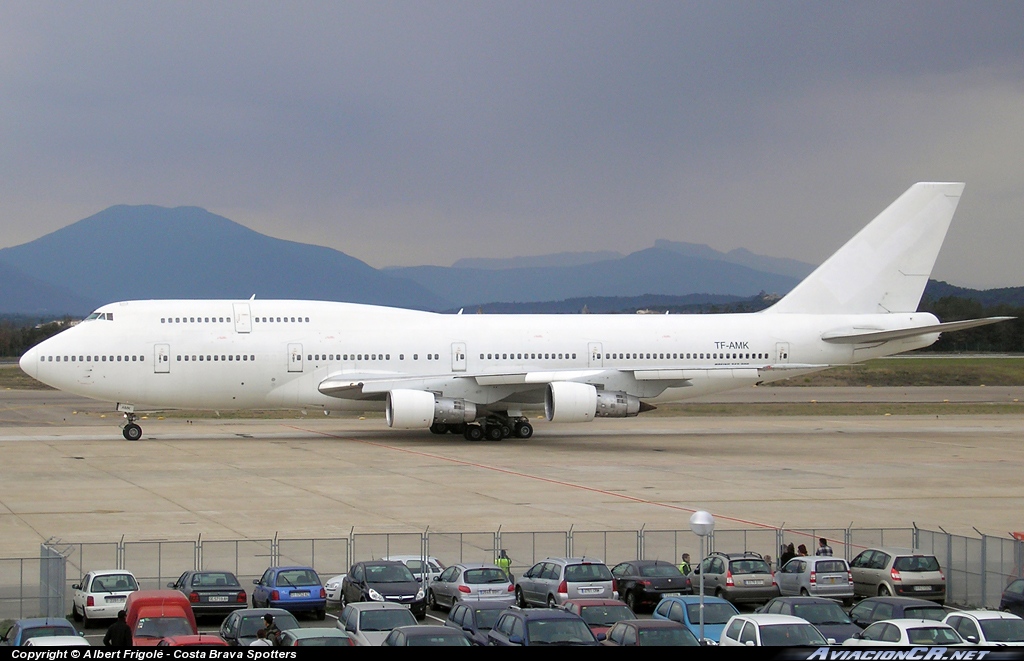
492	428
131	431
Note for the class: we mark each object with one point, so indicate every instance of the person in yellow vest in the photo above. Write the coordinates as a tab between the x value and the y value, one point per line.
505	563
684	566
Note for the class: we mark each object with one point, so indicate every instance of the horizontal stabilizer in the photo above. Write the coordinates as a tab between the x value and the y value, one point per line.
861	335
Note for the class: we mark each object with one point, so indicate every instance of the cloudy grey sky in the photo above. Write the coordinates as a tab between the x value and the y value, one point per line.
410	133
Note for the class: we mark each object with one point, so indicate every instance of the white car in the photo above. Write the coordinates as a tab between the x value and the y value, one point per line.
57	641
333	587
368	623
101	594
763	630
906	632
992	628
434	567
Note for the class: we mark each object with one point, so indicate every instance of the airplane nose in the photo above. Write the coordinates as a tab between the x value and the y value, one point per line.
29	362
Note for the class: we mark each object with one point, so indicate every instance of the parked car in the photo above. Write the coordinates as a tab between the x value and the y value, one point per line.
474	619
470	582
553	581
425	636
1012	599
898	572
736	577
644	582
101	594
384	581
686	611
763	630
427	568
156	614
57	641
24	630
315	637
816	576
991	628
211	592
240	627
904	632
823	613
198	640
370	622
875	609
650	633
550	626
295	589
599	614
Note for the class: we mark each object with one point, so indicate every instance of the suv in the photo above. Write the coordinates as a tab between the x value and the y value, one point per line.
540	627
737	577
553	581
898	572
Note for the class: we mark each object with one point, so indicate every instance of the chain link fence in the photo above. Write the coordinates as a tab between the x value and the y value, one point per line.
977	568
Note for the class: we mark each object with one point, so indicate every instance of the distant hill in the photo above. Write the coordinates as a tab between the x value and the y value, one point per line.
1009	296
556	259
22	294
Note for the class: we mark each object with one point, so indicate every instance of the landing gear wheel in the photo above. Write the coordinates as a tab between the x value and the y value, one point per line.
439	428
132	431
474	433
522	430
459	428
506	431
494	432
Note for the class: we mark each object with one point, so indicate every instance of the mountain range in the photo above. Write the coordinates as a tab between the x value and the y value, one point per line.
143	252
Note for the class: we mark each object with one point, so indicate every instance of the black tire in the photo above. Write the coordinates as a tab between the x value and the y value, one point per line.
132	432
459	428
804	592
474	433
631	601
321	614
506	431
439	428
86	622
74	614
432	601
523	430
520	600
494	433
551	601
884	591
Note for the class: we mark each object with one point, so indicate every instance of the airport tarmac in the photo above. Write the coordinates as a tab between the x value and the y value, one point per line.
67	472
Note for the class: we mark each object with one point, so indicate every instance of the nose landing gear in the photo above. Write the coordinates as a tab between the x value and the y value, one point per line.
130	431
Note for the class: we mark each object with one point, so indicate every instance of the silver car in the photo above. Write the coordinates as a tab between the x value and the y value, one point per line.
470	582
368	623
817	576
553	581
898	573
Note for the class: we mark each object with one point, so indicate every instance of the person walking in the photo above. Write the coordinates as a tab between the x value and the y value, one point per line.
119	634
270	629
823	547
505	563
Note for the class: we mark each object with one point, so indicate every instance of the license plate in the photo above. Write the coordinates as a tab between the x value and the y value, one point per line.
115	597
300	593
218	599
671	594
487	591
590	590
753	582
922	588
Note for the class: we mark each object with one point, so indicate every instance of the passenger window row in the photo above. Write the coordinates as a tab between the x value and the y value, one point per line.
91	359
215	358
367	356
686	356
194	320
271	320
529	356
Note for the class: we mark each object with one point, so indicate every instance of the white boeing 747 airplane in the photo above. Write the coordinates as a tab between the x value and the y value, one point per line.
477	374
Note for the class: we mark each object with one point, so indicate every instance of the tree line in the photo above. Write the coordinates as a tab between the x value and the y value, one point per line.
18	334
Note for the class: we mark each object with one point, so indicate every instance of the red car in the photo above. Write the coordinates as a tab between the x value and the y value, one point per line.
599	614
199	640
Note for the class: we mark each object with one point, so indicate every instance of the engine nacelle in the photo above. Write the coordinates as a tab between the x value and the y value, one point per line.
567	401
418	409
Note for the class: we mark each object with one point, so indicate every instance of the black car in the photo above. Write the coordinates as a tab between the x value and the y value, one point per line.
240	627
211	592
644	582
823	613
384	580
650	633
475	620
876	609
1012	600
540	626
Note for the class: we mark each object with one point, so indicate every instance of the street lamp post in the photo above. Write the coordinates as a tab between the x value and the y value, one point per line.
702	524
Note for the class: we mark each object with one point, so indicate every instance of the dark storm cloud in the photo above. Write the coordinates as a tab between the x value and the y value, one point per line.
410	132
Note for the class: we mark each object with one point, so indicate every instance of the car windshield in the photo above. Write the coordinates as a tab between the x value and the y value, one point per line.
46	632
114	583
790	635
217	579
561	631
453	639
937	613
821	613
587	572
385	620
605	616
250	625
162	627
483	576
298	578
933	636
397	573
713	613
486	617
668	638
660	571
1003	630
912	563
749	567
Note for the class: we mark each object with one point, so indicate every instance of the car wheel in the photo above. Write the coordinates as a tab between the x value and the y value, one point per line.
551	602
631	601
74	613
86	622
884	591
432	600
804	592
520	600
321	614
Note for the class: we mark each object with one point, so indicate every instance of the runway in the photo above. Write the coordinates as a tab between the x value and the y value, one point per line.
66	472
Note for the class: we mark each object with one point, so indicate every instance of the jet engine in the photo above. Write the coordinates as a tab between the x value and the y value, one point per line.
418	409
567	401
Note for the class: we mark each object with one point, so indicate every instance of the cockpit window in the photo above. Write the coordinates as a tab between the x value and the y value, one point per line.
108	316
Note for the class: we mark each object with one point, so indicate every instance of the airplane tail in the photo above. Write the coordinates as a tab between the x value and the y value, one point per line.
885	267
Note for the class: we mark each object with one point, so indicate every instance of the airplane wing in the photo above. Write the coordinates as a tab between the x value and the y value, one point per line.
863	335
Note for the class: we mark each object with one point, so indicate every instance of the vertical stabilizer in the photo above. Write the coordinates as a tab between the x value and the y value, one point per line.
885	267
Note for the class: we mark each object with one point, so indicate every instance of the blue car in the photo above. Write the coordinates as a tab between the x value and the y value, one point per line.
37	627
295	589
686	611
